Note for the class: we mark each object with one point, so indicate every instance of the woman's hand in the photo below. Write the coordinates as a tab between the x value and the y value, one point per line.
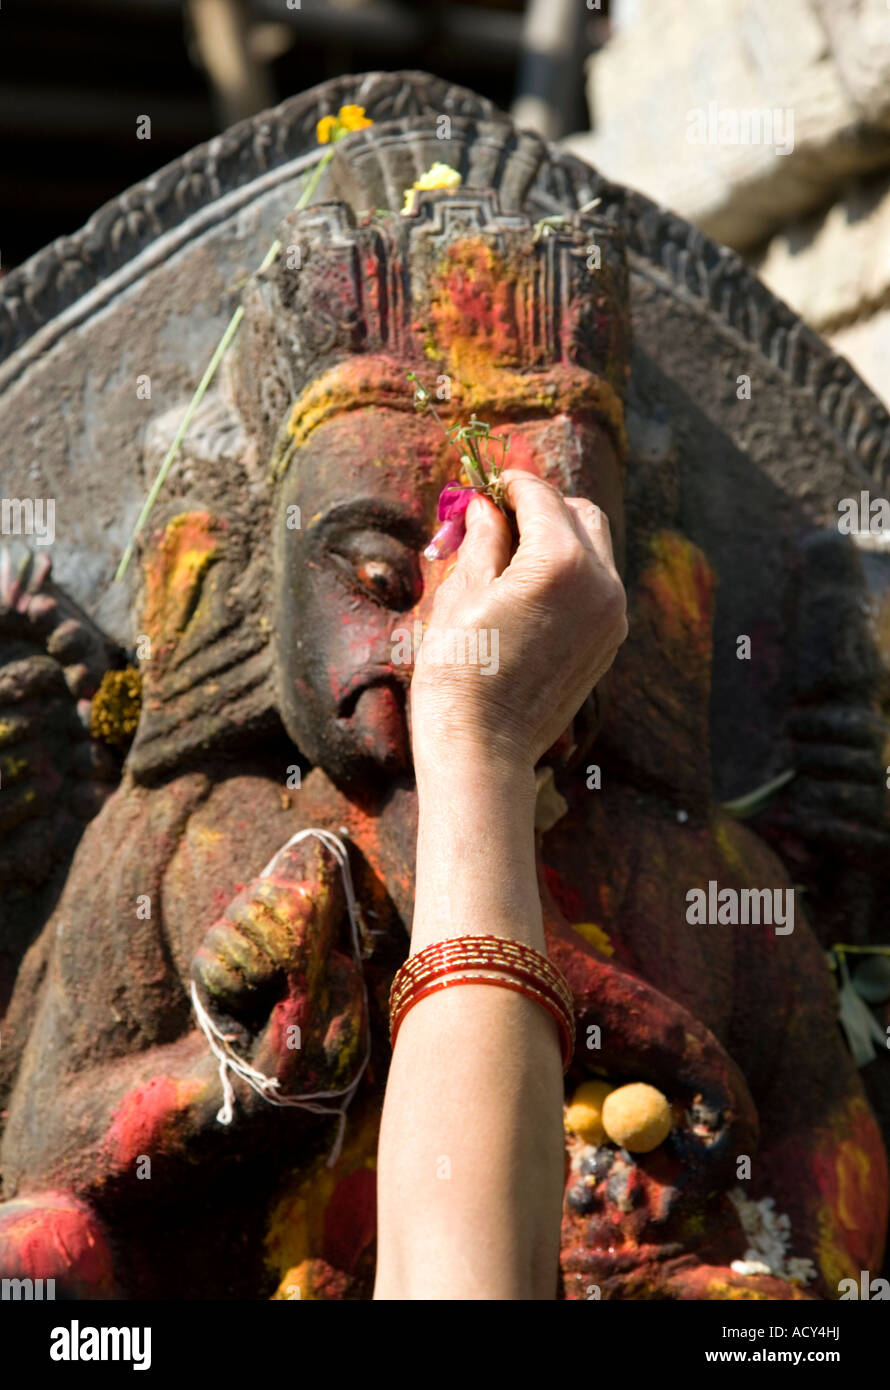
544	627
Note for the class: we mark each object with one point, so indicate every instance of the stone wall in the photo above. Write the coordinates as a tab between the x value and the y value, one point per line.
768	125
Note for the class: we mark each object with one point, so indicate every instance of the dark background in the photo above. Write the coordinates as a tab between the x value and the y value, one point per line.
76	74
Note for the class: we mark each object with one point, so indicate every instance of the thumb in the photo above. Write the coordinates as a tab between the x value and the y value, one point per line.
485	549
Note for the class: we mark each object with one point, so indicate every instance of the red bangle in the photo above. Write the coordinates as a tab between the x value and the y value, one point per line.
485	952
485	960
438	969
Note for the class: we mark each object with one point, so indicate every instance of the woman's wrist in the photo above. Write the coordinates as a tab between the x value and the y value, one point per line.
476	870
471	763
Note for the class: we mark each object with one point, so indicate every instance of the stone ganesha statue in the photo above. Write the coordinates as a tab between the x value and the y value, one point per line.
287	551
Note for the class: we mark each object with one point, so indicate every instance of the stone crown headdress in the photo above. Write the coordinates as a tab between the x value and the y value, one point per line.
456	286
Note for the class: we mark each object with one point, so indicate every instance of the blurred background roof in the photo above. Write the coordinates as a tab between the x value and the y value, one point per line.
76	74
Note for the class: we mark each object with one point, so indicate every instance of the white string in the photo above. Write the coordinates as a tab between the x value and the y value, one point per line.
267	1086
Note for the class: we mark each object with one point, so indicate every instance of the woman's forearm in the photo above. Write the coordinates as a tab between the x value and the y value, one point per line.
471	1146
475	849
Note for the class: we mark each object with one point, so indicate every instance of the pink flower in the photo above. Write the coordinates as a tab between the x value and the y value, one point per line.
452	509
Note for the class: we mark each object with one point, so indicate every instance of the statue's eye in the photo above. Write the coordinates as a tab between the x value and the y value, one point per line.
381	579
381	567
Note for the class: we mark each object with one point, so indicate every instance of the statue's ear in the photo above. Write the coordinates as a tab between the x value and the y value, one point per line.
177	568
202	643
201	630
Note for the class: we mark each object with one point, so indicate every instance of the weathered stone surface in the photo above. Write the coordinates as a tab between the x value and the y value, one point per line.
825	61
834	269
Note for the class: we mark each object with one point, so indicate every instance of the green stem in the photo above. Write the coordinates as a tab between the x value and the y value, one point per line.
218	355
474	473
234	324
861	950
439	421
752	802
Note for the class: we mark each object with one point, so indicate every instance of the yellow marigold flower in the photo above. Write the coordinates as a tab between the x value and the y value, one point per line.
115	708
354	118
332	128
437	176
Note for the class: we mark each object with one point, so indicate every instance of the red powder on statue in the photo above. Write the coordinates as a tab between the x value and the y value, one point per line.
350	1222
140	1121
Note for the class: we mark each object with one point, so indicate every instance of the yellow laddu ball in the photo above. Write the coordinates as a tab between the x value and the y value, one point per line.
637	1117
584	1116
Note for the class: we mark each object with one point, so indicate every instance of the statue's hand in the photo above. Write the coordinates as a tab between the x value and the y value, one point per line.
839	664
838	796
270	975
53	776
